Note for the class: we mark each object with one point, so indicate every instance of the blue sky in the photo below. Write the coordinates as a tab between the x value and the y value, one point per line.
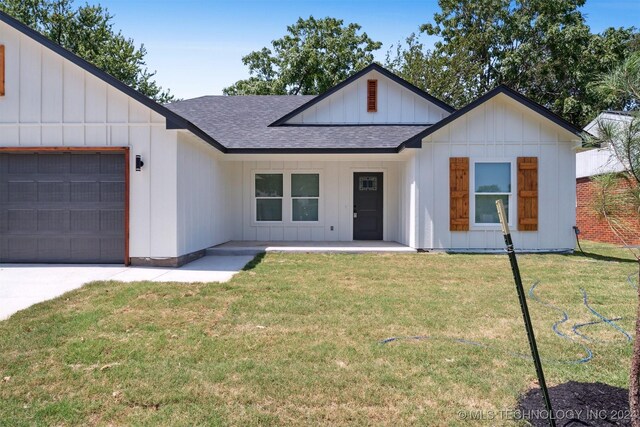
196	46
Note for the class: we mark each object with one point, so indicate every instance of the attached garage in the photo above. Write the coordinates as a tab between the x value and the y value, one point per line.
63	206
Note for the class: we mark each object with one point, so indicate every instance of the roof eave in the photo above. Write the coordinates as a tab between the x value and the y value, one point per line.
311	150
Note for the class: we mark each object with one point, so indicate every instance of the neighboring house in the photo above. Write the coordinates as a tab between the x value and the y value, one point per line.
594	162
373	158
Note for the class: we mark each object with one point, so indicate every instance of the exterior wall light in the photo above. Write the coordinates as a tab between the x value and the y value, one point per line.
139	163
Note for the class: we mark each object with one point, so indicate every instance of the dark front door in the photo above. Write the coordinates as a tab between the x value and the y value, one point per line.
367	206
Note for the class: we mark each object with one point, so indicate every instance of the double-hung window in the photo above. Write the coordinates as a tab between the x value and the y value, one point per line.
269	193
305	195
275	191
492	181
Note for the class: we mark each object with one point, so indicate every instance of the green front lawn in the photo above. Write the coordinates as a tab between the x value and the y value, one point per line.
294	339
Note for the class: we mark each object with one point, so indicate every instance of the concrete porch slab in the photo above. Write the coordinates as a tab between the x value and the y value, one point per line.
255	247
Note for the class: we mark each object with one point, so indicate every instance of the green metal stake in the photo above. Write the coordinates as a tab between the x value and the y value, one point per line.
525	310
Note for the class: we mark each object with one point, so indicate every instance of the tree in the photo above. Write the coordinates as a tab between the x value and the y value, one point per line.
313	56
88	32
541	48
623	83
623	138
410	62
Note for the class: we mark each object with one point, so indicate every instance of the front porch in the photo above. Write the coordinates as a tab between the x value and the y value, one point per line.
309	200
356	246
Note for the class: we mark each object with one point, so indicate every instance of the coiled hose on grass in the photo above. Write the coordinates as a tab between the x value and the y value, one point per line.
577	326
604	319
555	328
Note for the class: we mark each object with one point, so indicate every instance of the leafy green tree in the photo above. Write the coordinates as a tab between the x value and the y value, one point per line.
541	48
88	32
313	56
410	61
623	83
623	138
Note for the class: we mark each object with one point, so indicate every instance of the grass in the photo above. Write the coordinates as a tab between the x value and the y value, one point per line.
294	339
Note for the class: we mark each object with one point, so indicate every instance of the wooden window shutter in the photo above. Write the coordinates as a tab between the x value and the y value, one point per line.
1	70
372	96
528	193
459	193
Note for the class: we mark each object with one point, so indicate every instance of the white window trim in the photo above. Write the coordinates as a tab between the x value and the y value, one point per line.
472	194
287	213
256	198
292	198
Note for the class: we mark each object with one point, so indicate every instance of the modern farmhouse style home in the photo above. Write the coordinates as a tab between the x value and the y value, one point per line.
93	171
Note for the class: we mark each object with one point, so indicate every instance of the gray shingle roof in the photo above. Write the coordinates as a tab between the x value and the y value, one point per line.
620	113
242	123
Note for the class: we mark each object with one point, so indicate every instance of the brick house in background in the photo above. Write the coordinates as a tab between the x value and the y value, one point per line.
596	162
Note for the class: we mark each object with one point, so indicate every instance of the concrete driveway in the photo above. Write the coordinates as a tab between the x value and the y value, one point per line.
22	285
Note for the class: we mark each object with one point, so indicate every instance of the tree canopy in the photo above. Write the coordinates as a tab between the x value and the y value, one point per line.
313	56
623	82
88	32
544	49
613	203
623	137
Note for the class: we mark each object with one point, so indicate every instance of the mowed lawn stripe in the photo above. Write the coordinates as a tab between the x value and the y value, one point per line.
295	339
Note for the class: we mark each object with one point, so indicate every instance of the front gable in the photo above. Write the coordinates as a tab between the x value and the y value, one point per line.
50	100
46	84
501	120
522	119
398	102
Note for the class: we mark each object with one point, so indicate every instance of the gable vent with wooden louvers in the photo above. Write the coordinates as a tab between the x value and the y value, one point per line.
528	193
459	193
372	96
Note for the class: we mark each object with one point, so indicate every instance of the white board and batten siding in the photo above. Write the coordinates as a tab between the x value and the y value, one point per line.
603	160
596	162
408	194
335	205
208	204
348	105
51	102
498	130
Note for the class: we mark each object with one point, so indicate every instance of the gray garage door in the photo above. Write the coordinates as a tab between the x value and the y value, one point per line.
62	207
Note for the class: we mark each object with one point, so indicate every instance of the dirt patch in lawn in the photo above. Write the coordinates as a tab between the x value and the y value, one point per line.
578	404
